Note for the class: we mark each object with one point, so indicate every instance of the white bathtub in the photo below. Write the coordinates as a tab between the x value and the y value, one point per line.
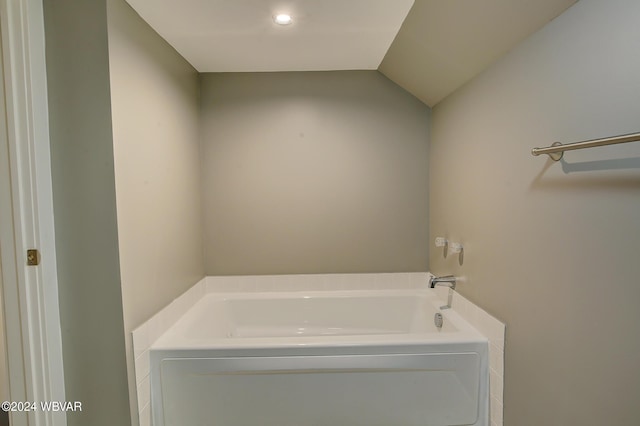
338	358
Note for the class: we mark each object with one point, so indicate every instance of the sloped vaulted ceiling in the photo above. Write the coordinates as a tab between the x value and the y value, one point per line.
443	44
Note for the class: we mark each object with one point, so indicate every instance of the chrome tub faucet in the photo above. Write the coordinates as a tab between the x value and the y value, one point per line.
447	281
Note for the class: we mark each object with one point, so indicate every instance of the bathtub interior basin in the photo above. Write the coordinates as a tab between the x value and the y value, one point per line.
322	316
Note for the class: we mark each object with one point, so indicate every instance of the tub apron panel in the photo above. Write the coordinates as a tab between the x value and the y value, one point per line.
356	390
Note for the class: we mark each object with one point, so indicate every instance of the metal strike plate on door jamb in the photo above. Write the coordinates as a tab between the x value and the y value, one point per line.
33	257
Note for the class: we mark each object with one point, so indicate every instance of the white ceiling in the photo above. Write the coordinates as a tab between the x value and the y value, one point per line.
240	35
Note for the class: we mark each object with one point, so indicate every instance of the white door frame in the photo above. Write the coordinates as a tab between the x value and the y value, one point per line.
32	319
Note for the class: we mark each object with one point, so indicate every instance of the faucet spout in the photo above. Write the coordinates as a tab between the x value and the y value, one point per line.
447	280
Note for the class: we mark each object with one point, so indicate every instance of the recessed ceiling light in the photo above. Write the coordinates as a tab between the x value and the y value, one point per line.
282	19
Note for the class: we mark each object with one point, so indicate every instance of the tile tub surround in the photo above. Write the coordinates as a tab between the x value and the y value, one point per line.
145	335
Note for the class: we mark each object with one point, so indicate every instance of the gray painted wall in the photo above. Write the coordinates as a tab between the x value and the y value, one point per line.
313	172
85	211
154	104
551	248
